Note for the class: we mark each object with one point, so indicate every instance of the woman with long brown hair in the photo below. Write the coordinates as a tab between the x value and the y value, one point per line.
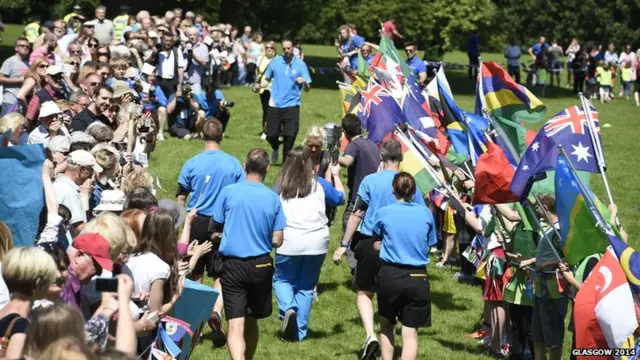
33	81
304	195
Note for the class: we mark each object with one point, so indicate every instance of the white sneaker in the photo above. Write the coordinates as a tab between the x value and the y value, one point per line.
263	136
371	348
160	137
485	341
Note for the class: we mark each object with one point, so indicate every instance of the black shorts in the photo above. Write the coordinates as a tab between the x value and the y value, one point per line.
246	286
404	294
547	321
474	60
283	121
212	262
368	263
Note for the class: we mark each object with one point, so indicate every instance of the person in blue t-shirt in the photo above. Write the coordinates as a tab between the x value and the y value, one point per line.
375	192
201	180
365	50
214	105
538	47
186	118
290	76
403	233
252	222
417	66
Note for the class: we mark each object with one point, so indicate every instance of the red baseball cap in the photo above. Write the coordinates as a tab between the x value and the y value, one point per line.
96	246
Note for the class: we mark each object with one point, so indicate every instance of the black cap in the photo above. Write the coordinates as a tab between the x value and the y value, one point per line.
125	8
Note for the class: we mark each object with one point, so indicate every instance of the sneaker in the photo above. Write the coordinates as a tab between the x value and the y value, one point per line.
290	325
219	337
315	297
442	264
505	351
434	250
160	137
187	137
370	348
274	156
479	334
263	136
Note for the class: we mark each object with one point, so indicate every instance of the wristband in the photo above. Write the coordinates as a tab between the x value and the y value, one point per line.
344	245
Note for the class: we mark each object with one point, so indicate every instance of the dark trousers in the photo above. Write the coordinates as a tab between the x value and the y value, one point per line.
514	72
285	122
264	100
578	82
521	318
251	73
224	117
168	86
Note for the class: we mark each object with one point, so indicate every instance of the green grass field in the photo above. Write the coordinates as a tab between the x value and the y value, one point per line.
335	329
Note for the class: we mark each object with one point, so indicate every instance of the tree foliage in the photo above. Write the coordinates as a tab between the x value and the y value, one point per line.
446	22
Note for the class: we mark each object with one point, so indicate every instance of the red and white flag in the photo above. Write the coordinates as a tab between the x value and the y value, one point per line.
604	309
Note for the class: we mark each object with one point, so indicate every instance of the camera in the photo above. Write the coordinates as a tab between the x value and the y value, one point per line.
186	89
227	104
334	133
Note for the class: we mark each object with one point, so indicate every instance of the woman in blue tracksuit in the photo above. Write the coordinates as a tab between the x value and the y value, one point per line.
403	233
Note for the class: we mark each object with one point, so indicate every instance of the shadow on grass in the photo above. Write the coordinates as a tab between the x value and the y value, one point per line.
444	301
457	345
326	287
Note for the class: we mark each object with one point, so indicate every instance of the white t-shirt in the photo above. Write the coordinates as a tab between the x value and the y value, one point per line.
145	269
4	292
167	63
307	232
68	194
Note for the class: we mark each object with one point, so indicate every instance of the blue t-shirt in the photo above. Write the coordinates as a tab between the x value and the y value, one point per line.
417	65
209	104
222	168
161	100
536	48
357	41
250	212
406	230
285	91
376	190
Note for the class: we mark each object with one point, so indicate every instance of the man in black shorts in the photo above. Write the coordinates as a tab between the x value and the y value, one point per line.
375	192
202	178
290	76
251	219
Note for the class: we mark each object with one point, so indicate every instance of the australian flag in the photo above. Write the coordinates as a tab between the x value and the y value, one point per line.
570	129
415	113
380	112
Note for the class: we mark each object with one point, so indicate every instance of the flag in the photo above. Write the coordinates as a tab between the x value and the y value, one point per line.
363	67
458	137
379	111
579	215
347	94
604	310
416	115
388	49
629	260
389	73
452	113
476	126
503	97
21	191
493	176
415	164
519	136
568	128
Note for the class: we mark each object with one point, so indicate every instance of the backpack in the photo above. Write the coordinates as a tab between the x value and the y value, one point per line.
4	343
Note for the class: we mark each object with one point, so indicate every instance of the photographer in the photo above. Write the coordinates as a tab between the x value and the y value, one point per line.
185	116
170	64
197	56
215	106
154	99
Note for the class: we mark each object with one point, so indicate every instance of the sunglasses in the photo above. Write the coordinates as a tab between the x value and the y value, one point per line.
93	45
410	50
23	46
270	47
92	84
43	66
75	51
74	63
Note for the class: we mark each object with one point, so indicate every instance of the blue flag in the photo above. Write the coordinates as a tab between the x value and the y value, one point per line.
416	115
380	111
568	128
21	192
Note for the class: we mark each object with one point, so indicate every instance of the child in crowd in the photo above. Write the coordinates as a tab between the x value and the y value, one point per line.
627	78
605	79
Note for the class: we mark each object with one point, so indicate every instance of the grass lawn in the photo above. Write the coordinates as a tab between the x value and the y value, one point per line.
335	329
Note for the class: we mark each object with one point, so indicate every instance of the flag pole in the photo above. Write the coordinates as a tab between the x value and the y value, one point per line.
595	141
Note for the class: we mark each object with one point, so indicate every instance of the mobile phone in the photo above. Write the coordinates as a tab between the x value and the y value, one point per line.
107	285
